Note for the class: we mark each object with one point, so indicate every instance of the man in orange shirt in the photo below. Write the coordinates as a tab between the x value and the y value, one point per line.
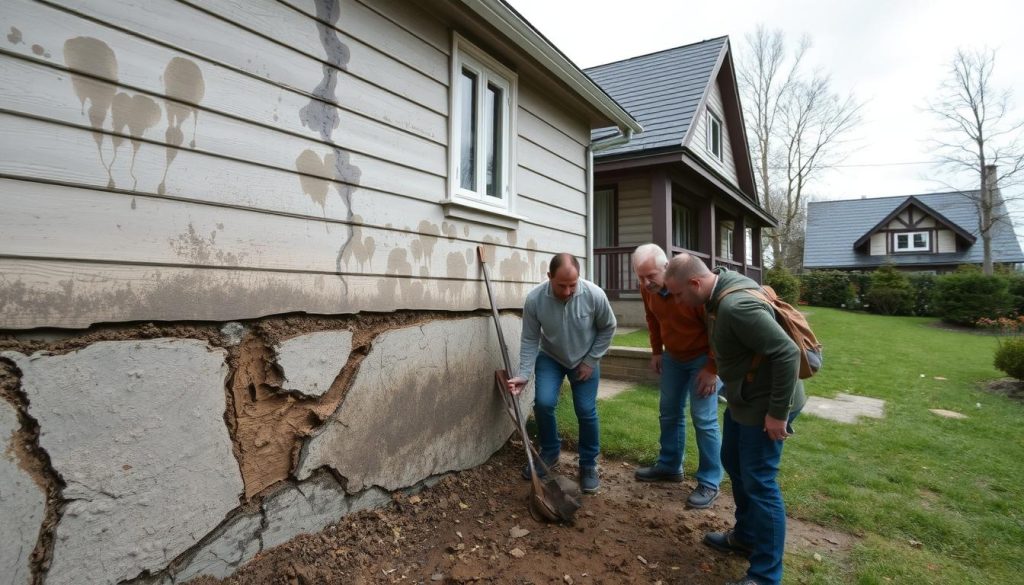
680	355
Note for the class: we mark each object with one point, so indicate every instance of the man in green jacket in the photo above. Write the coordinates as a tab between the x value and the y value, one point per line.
764	398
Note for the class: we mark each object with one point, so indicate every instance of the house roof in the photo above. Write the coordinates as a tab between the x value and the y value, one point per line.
833	227
912	201
662	90
501	15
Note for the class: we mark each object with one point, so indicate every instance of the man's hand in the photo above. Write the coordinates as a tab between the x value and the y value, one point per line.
707	383
656	363
775	428
584	372
516	385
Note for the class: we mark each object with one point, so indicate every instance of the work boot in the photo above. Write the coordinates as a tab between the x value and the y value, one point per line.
552	464
589	481
702	497
656	473
727	542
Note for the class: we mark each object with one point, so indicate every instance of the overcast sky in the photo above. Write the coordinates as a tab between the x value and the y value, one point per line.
892	54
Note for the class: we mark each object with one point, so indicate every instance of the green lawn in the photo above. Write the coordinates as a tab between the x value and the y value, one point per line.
932	500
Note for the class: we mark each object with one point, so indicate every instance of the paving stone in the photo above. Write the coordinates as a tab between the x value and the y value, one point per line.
22	506
845	408
136	430
311	362
424	402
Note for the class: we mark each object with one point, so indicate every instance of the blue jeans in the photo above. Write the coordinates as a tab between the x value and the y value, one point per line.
679	381
752	461
548	382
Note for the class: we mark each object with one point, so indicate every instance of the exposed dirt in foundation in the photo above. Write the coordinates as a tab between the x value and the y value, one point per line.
469	527
1010	387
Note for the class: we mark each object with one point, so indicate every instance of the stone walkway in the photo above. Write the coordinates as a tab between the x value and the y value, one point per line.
608	388
845	408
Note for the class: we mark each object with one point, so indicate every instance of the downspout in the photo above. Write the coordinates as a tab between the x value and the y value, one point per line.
623	136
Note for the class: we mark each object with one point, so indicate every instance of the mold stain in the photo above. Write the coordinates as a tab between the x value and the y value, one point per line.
183	82
458	268
321	116
94	57
359	249
311	167
14	37
138	113
450	230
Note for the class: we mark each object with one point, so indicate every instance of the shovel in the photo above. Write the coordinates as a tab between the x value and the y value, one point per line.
552	499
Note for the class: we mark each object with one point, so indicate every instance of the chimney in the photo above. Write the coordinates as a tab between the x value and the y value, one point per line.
990	179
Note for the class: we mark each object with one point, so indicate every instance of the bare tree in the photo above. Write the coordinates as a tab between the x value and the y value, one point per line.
981	140
798	124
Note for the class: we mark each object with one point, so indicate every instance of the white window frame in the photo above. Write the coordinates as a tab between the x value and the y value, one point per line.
910	242
714	123
476	204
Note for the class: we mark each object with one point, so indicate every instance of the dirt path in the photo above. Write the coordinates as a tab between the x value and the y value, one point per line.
469	527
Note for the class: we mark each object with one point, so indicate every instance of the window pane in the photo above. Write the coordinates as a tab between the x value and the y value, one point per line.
492	128
902	242
716	137
684	227
467	138
920	241
604	218
748	243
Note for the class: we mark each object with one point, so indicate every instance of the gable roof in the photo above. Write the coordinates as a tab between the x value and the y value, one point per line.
913	201
501	15
662	90
833	227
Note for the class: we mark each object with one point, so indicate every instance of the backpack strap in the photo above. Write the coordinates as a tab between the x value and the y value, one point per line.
756	293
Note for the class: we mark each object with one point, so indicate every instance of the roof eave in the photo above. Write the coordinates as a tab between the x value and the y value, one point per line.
504	18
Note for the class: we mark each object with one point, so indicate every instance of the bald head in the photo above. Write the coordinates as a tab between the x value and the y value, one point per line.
564	275
689	280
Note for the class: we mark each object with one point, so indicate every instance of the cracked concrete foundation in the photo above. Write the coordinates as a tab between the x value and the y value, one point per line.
146	457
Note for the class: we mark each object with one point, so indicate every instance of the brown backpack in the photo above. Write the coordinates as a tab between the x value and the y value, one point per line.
792	322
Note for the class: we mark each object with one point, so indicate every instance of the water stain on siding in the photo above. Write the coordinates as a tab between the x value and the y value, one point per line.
14	37
93	57
183	82
138	113
311	167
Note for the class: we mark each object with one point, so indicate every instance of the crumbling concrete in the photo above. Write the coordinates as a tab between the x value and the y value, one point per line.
312	505
310	363
136	430
422	403
22	505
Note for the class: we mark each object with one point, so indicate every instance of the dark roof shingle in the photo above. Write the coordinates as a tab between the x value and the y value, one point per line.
661	90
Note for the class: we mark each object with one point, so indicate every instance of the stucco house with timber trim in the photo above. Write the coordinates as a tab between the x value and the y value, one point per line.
687	183
239	293
929	232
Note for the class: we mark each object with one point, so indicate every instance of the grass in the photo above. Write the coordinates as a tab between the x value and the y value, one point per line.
932	500
634	339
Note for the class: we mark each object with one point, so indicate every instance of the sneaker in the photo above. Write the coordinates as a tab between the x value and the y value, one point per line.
727	542
702	497
551	463
589	481
655	473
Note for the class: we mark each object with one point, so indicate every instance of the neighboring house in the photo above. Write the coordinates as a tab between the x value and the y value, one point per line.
239	290
931	232
687	182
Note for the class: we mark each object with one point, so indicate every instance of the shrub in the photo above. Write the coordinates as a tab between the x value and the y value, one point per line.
966	296
890	292
924	287
1015	286
1009	358
860	283
826	288
785	284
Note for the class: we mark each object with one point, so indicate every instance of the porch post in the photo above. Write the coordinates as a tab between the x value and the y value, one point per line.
706	231
661	210
739	242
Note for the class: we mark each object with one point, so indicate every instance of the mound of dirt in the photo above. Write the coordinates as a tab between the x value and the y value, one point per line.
474	526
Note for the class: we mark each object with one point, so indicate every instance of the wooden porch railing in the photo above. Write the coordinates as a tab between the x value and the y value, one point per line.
613	269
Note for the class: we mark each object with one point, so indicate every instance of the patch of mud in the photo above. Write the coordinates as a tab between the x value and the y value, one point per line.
468	528
1010	387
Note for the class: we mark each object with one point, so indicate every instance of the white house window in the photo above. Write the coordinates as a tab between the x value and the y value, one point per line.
913	242
483	123
725	239
714	138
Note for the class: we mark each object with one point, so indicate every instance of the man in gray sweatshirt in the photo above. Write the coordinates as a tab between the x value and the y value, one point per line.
568	325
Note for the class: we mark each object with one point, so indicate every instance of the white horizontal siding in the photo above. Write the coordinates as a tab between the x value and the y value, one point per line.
263	157
699	143
946	242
